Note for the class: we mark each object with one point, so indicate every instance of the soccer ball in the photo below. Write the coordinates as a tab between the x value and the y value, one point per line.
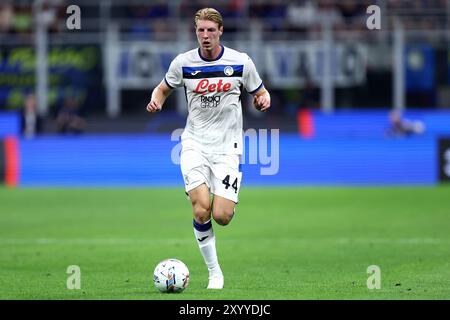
171	275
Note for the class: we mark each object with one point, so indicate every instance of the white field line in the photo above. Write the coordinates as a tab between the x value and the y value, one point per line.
171	241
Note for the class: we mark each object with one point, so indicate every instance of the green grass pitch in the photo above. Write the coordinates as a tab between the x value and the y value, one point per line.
283	243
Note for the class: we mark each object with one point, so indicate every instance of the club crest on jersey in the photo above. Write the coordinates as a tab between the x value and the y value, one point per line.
228	70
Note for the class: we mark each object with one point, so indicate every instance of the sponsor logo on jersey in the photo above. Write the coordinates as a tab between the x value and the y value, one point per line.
209	102
214	71
228	71
205	86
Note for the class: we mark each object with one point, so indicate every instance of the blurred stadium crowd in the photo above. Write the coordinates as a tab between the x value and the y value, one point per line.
154	18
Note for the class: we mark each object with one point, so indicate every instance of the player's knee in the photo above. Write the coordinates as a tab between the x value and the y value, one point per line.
202	212
223	217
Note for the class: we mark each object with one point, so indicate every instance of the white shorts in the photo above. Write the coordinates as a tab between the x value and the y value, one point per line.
220	172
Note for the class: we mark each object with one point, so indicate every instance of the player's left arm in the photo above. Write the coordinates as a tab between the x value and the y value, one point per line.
261	99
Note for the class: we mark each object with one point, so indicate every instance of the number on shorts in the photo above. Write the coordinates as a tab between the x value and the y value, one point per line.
226	182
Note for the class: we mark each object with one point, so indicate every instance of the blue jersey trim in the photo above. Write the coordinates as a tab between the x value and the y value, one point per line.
215	68
202	227
218	57
259	87
168	83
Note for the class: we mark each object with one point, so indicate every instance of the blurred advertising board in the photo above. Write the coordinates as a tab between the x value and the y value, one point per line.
74	71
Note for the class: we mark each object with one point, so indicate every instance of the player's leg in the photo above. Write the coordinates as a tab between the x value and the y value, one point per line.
204	233
222	210
197	181
201	207
225	183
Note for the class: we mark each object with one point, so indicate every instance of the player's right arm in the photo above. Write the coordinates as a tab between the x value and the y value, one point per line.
159	96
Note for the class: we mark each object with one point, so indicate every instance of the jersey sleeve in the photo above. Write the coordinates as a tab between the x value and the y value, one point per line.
251	79
174	76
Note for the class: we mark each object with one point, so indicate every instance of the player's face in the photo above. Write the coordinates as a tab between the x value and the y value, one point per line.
208	34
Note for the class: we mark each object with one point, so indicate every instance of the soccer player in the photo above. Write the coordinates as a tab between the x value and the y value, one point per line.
213	76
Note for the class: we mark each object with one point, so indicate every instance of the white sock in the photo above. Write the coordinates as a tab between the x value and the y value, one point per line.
207	243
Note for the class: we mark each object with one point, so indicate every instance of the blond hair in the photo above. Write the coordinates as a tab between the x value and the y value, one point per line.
209	14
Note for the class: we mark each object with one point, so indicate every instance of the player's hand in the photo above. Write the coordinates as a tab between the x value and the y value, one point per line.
153	106
262	102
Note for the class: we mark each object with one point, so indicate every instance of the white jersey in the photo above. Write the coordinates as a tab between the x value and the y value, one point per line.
213	89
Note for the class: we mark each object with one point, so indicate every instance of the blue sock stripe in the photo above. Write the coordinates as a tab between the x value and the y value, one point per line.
202	227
